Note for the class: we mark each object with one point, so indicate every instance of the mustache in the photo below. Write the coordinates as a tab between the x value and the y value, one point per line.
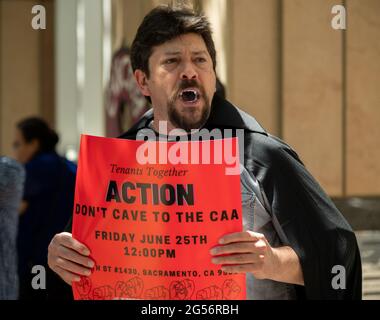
191	83
188	83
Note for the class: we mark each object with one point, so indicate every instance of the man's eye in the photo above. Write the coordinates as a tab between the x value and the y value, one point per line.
170	61
200	60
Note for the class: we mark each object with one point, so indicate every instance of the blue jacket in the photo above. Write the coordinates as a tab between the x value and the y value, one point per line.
49	192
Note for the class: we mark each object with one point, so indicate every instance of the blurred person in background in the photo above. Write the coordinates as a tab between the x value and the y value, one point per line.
12	177
47	201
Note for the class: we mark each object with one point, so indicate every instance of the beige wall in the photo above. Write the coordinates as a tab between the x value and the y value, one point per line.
363	97
25	68
19	70
312	89
316	87
286	70
134	12
254	59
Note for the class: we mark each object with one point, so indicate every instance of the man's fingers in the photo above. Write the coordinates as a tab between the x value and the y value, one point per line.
241	247
248	236
69	254
73	267
67	276
238	259
68	241
69	258
242	268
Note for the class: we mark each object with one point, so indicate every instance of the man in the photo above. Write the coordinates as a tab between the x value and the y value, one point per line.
298	235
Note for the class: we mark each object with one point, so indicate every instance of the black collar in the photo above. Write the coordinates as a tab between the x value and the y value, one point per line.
223	115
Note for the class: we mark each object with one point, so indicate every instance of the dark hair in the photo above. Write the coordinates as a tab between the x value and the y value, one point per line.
37	128
165	23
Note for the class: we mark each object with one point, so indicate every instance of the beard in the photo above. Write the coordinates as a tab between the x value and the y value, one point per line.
190	117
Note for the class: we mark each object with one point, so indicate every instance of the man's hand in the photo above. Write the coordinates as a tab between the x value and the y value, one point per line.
250	252
69	258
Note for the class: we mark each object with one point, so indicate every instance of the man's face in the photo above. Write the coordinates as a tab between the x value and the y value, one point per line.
182	82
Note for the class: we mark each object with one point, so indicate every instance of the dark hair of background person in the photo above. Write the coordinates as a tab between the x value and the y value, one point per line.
163	24
37	129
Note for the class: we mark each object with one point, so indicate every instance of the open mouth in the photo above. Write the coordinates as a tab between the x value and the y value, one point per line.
189	95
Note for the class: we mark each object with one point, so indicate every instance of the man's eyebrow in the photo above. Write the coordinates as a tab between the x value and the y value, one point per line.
199	52
176	53
172	53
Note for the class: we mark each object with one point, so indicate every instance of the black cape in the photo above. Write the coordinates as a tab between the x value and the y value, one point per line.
305	218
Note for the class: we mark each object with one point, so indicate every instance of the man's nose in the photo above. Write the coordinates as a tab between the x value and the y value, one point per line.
188	71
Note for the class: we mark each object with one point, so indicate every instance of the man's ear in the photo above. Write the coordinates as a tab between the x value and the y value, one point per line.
141	80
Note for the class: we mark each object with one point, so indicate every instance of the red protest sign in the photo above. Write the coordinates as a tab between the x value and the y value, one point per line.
150	227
